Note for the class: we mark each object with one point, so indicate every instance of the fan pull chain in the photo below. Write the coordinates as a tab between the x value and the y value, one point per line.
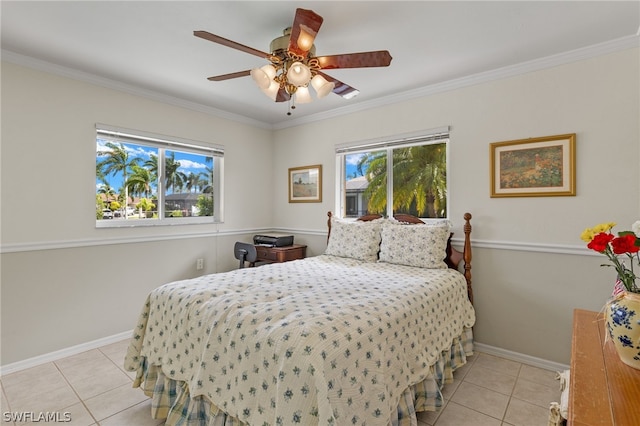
292	104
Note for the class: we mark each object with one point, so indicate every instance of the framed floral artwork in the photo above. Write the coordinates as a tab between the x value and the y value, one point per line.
535	167
305	184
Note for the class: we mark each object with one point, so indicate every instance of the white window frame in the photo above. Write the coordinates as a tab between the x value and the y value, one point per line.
424	137
164	143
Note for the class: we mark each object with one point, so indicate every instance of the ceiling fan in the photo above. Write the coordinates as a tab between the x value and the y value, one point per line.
293	66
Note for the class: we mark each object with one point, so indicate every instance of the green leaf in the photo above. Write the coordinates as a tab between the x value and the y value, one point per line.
622	233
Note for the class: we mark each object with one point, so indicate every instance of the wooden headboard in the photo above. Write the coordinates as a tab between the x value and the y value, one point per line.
454	256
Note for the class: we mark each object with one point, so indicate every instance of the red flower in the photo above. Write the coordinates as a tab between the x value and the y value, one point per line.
625	244
600	242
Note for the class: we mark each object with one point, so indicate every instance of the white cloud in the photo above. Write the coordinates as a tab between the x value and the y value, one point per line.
353	159
188	164
132	150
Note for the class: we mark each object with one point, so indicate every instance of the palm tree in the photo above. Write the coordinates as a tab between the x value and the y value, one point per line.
140	181
206	184
106	190
100	173
152	165
122	195
117	161
375	164
146	205
419	179
194	181
175	178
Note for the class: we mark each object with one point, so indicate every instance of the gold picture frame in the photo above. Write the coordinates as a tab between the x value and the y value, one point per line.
305	184
534	167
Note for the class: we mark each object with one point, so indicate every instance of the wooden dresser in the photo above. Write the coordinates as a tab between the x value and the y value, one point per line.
281	254
603	390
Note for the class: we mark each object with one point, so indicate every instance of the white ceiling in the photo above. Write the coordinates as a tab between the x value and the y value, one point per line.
149	46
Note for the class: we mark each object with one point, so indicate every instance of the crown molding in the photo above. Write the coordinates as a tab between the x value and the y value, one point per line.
596	50
48	67
620	44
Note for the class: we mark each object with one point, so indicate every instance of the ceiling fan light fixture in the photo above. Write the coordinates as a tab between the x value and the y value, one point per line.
303	96
269	70
294	66
262	77
306	38
322	86
272	90
298	74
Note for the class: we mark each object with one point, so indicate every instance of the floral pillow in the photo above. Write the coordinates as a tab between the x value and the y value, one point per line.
415	245
358	240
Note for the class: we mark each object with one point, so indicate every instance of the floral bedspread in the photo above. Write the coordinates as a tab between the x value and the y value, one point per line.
325	340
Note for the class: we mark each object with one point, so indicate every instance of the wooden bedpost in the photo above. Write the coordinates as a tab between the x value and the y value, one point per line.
329	225
467	254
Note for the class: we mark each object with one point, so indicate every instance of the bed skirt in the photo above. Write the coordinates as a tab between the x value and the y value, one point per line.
171	400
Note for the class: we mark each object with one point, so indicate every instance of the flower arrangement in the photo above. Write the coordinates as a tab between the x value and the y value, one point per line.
601	239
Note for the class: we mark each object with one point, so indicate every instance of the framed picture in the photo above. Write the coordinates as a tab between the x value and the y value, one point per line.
535	167
305	184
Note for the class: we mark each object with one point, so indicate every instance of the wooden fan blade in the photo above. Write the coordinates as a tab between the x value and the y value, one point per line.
341	89
303	31
282	96
229	43
379	58
229	76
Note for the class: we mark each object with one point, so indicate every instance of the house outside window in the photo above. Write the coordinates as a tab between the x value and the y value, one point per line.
410	170
144	179
355	199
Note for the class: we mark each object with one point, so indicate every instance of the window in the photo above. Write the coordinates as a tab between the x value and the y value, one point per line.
410	170
145	179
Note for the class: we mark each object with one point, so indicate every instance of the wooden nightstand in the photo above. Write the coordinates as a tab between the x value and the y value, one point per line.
602	390
280	254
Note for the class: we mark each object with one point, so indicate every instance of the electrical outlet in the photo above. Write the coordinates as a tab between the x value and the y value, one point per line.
199	264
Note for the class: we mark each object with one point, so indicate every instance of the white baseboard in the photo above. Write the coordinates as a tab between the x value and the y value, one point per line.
516	356
63	353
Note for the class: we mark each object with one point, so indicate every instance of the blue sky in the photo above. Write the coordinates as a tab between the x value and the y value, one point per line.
351	164
189	163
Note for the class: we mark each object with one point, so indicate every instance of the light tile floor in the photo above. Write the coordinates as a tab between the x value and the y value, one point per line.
93	389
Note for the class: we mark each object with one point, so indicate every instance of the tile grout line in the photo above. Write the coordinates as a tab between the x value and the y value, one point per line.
515	383
510	395
131	381
95	421
470	365
4	394
114	363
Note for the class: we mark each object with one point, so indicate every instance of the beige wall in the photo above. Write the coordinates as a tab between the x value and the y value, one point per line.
65	283
530	267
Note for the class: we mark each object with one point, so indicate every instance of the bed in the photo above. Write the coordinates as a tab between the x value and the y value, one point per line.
366	333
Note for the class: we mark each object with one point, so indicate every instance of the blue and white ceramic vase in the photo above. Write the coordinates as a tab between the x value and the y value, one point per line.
623	327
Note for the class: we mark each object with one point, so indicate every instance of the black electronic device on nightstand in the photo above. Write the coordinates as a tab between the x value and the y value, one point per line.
273	240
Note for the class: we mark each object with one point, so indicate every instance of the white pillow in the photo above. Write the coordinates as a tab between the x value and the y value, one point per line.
358	240
415	245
